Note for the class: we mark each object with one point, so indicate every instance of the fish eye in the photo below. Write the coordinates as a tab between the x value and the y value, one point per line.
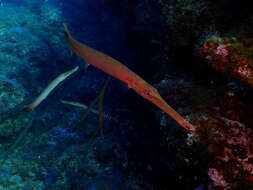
148	93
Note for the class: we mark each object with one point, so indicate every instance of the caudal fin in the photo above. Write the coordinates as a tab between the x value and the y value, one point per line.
66	31
69	38
27	109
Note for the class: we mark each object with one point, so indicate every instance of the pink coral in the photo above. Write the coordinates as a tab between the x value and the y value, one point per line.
221	50
243	70
217	177
231	56
231	148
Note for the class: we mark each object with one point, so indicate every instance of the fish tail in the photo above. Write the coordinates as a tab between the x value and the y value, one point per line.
66	30
26	109
69	38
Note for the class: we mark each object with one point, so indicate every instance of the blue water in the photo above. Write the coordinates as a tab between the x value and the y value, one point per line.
58	146
54	150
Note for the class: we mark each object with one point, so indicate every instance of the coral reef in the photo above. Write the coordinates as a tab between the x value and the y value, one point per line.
226	139
12	93
58	147
231	56
230	147
186	20
41	150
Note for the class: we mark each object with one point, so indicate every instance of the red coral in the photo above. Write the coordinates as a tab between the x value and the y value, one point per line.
217	177
230	144
231	56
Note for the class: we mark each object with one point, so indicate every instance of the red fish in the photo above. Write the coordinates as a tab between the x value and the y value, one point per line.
116	69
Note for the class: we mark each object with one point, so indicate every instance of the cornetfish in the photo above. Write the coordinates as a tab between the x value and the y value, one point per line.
116	69
50	87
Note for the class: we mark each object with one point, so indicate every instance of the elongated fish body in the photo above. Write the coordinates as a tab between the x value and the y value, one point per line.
100	60
51	86
116	69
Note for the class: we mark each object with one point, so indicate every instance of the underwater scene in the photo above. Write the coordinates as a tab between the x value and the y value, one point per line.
126	95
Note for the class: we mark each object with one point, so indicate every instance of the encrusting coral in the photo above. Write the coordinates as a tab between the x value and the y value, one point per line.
230	147
231	56
224	132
